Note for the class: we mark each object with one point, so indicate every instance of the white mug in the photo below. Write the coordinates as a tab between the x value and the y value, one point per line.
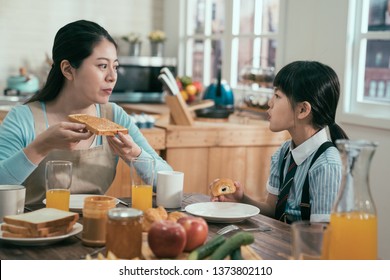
169	189
12	198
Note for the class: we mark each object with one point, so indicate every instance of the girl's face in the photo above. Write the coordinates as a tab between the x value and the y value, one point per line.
280	113
95	79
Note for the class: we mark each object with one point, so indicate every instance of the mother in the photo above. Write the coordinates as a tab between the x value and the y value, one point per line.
83	75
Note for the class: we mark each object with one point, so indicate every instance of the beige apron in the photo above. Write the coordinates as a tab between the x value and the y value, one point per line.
93	169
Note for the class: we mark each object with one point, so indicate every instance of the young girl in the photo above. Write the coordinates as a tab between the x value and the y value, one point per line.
81	80
306	171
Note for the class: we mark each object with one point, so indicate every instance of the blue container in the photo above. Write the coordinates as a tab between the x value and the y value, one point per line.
23	84
220	92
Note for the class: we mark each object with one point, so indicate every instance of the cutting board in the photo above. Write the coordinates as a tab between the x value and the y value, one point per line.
246	251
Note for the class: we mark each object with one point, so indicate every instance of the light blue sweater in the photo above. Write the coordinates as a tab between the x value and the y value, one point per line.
17	132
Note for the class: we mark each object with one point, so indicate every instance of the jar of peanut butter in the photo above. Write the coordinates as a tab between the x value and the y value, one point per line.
95	219
124	233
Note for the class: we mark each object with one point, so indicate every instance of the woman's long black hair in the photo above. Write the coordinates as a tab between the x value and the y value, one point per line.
73	42
317	84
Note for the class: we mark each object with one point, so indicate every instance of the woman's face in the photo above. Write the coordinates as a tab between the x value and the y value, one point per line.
280	113
95	79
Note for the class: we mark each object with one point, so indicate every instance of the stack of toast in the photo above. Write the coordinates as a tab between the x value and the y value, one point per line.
45	222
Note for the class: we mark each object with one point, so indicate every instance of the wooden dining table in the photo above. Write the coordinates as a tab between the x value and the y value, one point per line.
268	245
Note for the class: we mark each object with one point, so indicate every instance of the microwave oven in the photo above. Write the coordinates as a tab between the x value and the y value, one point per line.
138	81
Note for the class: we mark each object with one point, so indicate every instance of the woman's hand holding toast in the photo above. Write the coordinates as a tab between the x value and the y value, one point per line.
61	136
124	146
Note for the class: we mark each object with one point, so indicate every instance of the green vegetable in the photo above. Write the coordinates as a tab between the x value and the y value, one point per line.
185	80
231	244
236	254
207	249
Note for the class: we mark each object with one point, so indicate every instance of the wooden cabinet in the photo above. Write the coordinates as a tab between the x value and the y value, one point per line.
207	151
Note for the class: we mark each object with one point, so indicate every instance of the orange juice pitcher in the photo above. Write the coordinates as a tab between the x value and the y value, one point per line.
353	219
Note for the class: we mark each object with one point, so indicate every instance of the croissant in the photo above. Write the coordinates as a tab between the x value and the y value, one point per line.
176	215
223	186
152	215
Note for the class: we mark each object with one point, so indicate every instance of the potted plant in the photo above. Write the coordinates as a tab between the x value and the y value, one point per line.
157	38
135	41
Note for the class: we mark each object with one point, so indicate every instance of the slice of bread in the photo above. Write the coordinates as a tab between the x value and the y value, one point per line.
25	232
98	126
42	218
46	232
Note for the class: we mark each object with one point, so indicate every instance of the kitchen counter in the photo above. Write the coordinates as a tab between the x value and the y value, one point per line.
9	101
137	97
153	109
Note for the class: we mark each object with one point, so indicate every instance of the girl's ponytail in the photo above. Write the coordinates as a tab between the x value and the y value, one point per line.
336	132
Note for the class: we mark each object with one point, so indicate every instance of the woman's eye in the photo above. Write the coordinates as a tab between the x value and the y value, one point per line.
103	66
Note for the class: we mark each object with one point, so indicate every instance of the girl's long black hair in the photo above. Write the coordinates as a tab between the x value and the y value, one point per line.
317	84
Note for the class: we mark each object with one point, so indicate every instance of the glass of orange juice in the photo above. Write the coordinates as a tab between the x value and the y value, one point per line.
58	178
142	174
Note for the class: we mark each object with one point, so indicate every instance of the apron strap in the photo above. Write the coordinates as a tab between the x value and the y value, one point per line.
106	111
39	116
305	199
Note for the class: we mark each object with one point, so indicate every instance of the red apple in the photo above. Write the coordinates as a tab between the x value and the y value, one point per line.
191	98
198	86
179	84
166	239
196	230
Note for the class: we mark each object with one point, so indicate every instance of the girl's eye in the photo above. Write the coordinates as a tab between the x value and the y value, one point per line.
103	66
276	93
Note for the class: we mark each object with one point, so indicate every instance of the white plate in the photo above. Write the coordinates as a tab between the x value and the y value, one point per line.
222	212
77	228
76	201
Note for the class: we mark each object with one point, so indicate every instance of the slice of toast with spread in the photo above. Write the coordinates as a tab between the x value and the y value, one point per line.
98	126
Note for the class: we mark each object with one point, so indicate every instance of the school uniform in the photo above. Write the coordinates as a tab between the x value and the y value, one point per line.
324	177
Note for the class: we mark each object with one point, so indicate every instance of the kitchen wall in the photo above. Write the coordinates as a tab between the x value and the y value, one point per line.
27	28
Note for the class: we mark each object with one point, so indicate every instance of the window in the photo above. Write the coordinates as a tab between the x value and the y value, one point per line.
234	38
369	69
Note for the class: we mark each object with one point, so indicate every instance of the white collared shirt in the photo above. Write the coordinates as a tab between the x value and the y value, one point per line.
324	177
